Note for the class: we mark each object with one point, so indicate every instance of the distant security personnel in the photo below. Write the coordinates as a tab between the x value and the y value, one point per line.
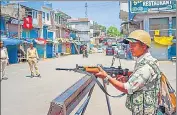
32	57
4	61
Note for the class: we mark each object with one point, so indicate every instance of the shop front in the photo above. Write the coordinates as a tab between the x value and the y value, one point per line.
40	44
157	19
12	48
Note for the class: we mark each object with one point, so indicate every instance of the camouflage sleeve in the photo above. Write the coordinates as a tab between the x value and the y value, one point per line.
138	79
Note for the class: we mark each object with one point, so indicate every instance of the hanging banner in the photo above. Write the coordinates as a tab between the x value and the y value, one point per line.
40	41
27	23
67	34
152	6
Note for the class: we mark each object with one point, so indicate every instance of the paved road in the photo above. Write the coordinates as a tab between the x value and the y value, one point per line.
21	95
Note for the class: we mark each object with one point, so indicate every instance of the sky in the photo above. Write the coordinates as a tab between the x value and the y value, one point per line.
103	12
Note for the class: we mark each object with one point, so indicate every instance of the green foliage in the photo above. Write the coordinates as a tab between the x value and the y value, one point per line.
96	26
102	28
113	32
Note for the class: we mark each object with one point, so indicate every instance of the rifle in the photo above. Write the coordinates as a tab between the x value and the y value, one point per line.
112	71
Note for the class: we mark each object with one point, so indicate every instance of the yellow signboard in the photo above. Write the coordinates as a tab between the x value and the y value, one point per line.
157	32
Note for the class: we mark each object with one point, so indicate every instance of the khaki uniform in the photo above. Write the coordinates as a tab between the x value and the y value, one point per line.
143	86
4	61
32	57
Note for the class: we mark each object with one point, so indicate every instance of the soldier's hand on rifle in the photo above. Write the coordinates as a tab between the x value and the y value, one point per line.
102	74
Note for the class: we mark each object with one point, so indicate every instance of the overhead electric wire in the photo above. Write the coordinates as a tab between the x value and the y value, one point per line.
89	6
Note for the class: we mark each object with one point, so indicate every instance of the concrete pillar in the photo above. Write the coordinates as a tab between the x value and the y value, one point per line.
60	32
45	51
170	26
146	23
41	33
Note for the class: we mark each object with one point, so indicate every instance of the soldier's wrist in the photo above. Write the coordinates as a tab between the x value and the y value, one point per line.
106	79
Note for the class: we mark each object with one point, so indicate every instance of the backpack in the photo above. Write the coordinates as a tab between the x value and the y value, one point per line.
167	96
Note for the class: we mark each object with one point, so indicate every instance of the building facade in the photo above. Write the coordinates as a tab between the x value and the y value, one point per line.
83	27
153	16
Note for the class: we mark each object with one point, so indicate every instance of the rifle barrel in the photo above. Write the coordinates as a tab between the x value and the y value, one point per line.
66	69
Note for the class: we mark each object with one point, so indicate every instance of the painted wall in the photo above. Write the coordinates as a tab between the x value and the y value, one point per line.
45	12
3	26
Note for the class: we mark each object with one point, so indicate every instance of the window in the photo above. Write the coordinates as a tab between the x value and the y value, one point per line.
43	15
29	13
47	16
35	14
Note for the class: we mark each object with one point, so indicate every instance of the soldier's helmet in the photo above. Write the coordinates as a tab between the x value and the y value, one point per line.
140	35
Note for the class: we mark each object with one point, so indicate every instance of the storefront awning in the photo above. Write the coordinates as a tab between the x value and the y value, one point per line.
11	41
28	40
60	40
55	42
41	41
63	40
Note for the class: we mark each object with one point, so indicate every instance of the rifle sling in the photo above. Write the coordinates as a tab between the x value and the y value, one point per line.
103	89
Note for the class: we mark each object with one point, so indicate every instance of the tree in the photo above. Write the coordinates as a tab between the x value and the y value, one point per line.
113	32
102	28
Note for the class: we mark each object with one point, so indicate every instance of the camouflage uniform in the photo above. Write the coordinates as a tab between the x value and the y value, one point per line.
143	86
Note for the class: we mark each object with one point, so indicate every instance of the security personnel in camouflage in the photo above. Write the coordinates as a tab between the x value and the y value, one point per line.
143	86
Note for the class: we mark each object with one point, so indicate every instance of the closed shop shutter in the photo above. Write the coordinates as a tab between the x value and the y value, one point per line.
158	51
49	50
159	24
50	35
12	28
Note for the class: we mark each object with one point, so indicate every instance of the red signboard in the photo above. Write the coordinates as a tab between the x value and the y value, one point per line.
27	23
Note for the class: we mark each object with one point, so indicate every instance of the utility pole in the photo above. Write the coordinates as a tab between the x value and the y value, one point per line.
19	33
86	9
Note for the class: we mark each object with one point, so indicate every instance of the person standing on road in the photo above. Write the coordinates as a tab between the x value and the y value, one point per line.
84	49
32	58
143	86
4	60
